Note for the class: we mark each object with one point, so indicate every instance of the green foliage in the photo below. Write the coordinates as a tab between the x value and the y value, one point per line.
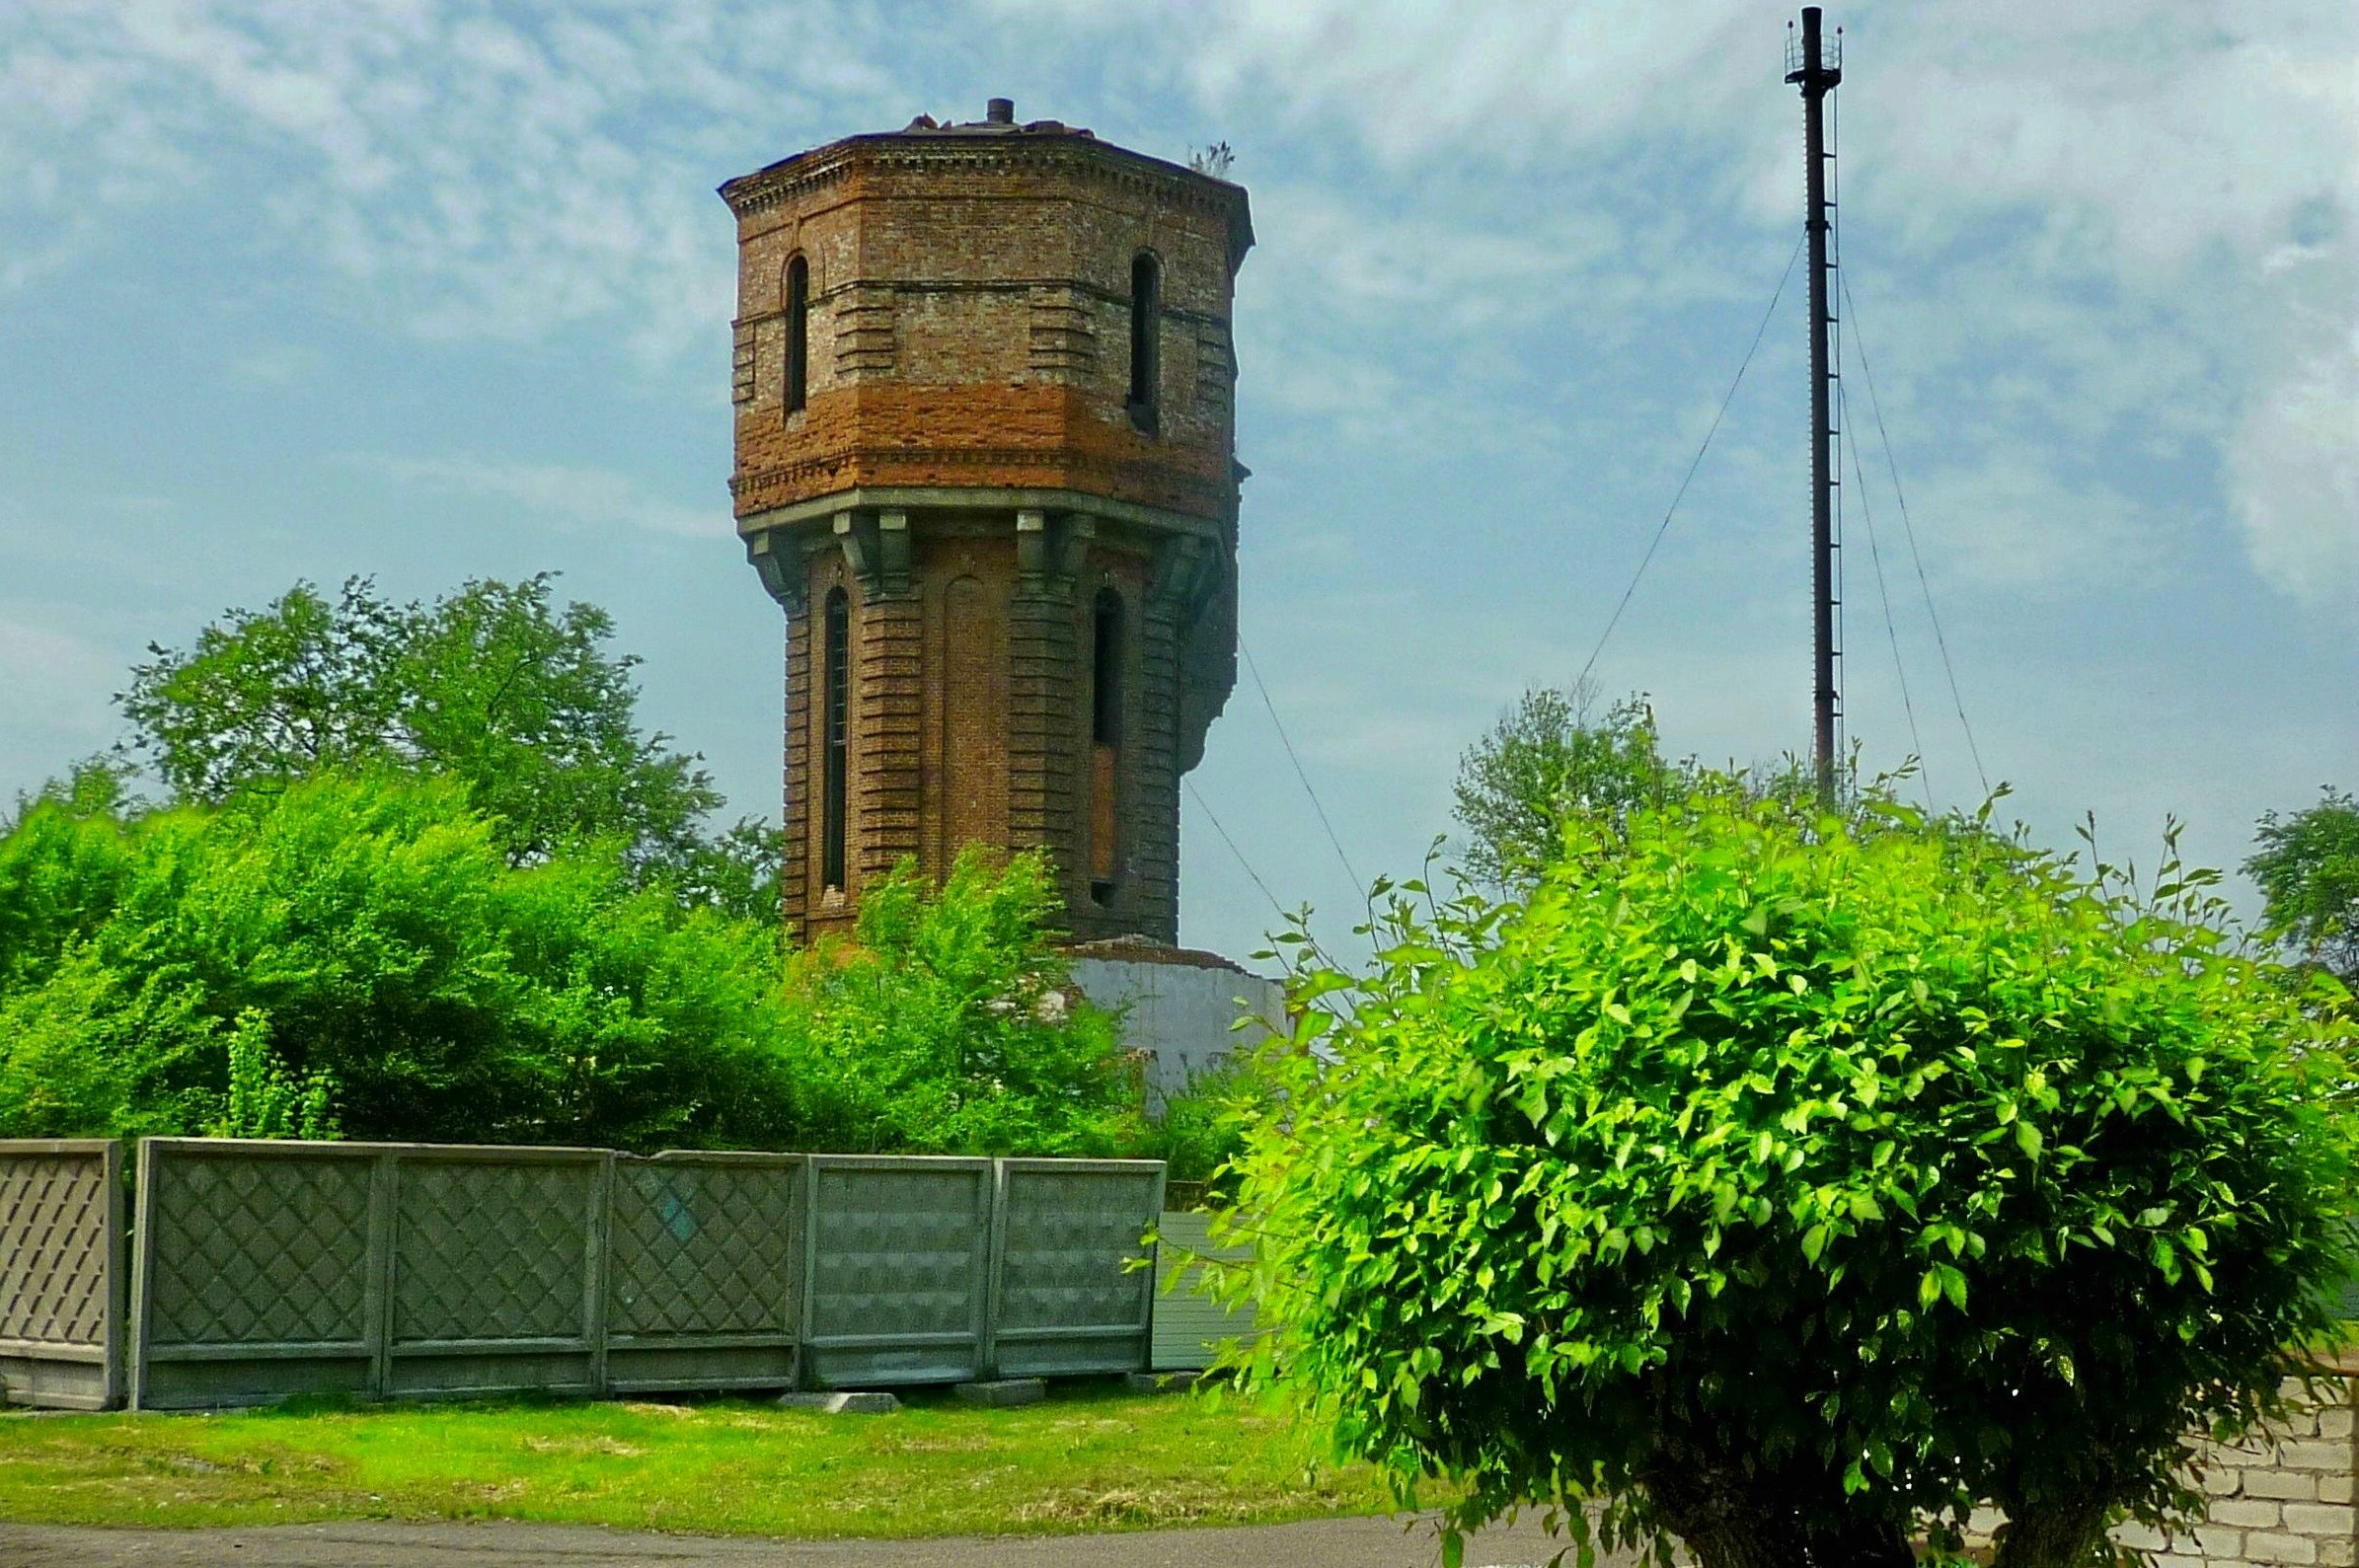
421	861
951	1025
365	937
1199	1130
492	685
264	1099
1796	1184
1550	757
375	922
2307	868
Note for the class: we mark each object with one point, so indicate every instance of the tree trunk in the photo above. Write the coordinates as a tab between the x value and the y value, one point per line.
1868	1544
1716	1516
2051	1535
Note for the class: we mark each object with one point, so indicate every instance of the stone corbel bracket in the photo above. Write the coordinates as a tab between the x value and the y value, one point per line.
877	549
1050	550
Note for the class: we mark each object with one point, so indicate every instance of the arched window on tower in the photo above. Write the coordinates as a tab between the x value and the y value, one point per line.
798	333
835	739
1106	748
1146	322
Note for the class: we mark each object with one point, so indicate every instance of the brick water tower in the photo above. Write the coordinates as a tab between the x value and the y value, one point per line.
985	393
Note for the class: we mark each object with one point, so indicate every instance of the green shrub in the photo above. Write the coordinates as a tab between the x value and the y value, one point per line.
949	1024
373	926
1798	1185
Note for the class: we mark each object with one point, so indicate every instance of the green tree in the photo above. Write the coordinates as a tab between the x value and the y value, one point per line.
1550	756
1796	1183
951	1025
492	685
373	926
2307	868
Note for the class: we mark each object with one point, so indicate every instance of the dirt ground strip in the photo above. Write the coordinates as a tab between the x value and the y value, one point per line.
378	1543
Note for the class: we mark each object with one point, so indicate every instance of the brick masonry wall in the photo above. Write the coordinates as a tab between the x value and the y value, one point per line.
2285	1497
970	319
968	372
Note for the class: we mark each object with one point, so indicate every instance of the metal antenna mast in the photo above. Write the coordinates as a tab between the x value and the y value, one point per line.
1816	69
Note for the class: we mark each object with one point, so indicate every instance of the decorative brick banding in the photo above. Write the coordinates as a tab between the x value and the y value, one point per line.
969	466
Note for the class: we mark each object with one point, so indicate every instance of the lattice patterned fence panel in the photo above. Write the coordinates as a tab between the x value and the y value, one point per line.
61	1222
267	1269
1066	1297
703	1285
498	1270
897	1270
255	1277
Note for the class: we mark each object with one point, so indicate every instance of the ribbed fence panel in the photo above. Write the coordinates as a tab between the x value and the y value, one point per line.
1072	1291
897	1270
61	1225
1191	1322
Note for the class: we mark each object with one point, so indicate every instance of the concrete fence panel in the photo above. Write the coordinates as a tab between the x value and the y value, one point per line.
498	1270
265	1269
256	1271
703	1285
1071	1293
61	1288
896	1270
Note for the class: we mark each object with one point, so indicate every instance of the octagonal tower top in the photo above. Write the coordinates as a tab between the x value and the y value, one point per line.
959	306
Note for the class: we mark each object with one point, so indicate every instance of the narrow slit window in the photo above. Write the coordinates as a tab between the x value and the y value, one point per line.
1146	321
1106	750
836	740
798	332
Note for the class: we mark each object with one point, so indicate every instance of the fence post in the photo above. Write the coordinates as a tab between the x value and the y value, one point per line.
113	1377
598	1242
376	1291
143	1274
994	1259
806	1293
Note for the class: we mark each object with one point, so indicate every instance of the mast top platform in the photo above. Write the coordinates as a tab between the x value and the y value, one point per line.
1812	62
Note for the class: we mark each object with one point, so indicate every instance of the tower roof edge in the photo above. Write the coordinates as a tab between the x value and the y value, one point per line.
1045	141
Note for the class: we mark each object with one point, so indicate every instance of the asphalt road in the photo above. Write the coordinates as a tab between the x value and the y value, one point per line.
377	1543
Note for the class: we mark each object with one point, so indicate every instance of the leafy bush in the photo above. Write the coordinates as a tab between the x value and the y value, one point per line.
364	939
373	926
1199	1132
951	1025
1795	1185
264	1099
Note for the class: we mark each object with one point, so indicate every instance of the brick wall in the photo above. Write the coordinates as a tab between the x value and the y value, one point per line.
966	469
2285	1497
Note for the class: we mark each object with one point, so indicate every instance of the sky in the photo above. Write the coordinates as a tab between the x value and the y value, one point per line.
429	290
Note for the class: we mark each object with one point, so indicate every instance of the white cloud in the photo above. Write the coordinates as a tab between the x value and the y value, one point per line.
2296	470
500	171
2090	200
573	497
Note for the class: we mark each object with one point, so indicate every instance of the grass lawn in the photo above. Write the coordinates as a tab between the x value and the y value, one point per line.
1087	1459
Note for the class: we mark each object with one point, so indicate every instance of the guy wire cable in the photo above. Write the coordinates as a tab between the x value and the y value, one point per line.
1875	406
1259	685
1875	556
1662	527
